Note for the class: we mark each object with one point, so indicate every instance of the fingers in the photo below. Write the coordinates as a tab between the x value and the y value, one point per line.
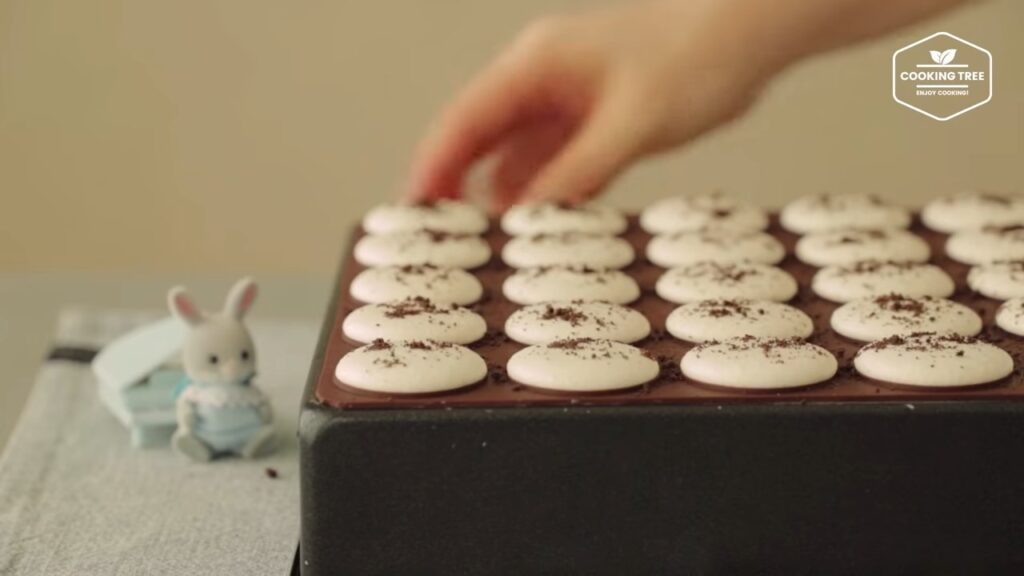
503	96
608	140
522	155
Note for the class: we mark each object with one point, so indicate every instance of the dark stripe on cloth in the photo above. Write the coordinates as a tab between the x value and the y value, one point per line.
72	354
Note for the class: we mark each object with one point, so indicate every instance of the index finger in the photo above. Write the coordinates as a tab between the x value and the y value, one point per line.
492	104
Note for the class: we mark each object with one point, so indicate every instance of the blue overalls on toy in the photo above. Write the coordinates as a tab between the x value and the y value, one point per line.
227	416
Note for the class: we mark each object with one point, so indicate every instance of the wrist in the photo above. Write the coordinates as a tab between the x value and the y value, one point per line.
744	38
781	32
761	36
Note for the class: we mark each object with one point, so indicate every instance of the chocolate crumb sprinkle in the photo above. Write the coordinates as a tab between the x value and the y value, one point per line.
923	342
378	344
571	343
573	316
898	303
413	307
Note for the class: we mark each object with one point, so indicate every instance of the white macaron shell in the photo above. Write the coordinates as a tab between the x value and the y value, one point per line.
404	368
933	361
821	212
546	323
710	320
878	318
408	320
569	283
849	246
1010	316
986	246
999	280
390	283
683	248
973	211
422	247
741	281
712	211
586	366
571	248
871	279
444	215
759	364
549	218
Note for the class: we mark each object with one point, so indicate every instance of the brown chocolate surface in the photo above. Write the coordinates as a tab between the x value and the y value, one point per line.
670	388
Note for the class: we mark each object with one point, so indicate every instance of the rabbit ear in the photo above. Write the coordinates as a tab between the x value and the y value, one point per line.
183	307
240	298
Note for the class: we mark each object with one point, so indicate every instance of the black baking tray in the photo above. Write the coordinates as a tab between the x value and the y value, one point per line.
762	486
788	489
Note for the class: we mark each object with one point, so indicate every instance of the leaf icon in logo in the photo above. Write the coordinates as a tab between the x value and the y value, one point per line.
944	57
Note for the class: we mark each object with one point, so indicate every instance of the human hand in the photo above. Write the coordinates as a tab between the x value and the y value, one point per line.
575	99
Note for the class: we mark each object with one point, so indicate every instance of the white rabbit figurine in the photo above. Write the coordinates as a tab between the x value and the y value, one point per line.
220	412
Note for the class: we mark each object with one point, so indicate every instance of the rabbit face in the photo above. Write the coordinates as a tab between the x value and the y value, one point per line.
220	351
218	348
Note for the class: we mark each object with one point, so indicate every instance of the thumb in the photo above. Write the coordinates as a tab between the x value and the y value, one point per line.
608	141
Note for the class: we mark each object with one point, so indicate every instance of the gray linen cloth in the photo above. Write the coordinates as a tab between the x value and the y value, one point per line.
76	498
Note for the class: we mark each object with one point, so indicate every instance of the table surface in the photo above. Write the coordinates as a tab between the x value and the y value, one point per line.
29	303
68	473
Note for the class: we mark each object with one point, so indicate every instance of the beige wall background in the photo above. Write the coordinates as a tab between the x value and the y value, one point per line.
191	135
